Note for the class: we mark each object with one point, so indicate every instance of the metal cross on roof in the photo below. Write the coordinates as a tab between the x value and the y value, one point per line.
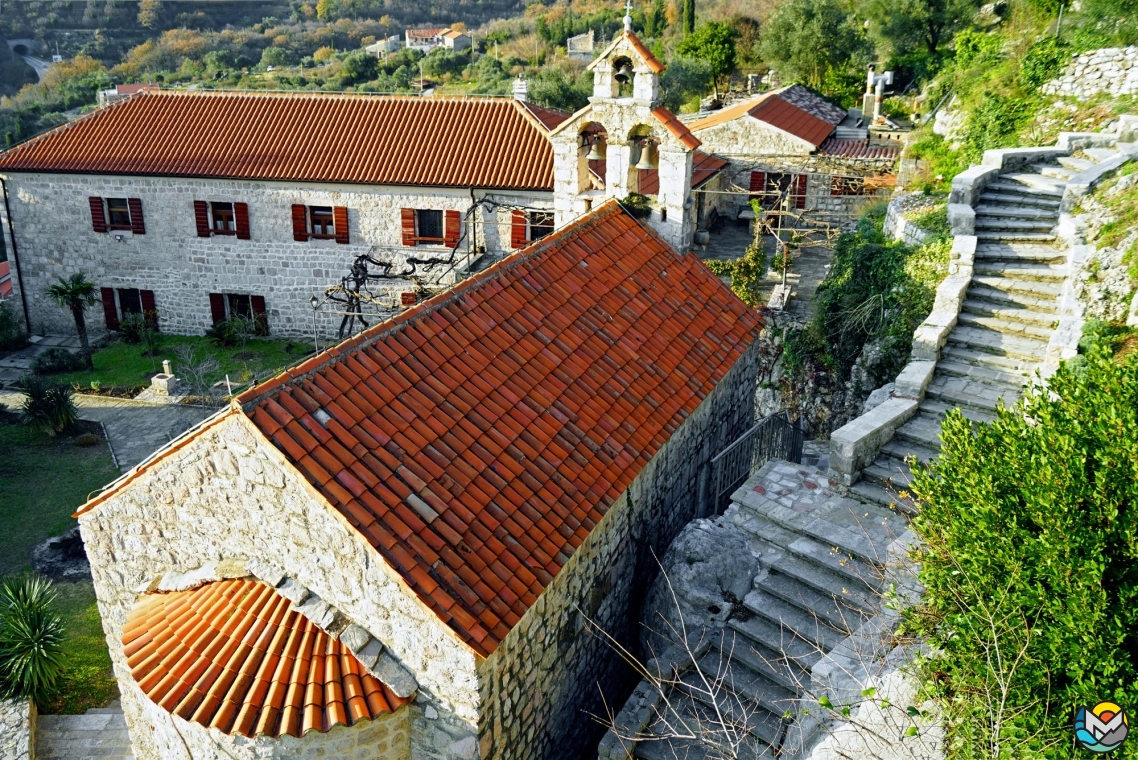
628	15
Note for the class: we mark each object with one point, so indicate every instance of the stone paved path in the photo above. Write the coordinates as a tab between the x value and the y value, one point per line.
99	733
16	364
135	430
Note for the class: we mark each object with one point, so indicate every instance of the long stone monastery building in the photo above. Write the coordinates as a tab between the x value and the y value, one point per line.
406	546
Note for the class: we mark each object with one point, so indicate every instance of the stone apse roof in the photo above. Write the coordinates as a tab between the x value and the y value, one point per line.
493	143
233	655
476	439
792	109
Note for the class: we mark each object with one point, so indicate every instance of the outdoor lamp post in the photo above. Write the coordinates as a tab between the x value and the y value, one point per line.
315	308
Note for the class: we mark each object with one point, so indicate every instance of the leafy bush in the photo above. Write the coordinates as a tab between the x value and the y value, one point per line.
747	273
942	161
232	332
640	206
1029	551
31	639
933	220
47	407
55	360
12	333
1043	61
141	329
994	123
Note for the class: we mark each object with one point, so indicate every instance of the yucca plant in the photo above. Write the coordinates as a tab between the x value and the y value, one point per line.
31	639
47	407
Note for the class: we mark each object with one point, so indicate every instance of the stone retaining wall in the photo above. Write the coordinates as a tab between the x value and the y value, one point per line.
899	227
17	729
1110	70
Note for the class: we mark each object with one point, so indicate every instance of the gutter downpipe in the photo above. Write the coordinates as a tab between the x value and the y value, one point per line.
16	258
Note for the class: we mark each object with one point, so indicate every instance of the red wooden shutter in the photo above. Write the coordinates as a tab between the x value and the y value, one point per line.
98	215
299	222
407	218
758	181
201	216
517	229
340	220
799	191
149	307
258	304
451	228
241	216
110	313
137	225
217	307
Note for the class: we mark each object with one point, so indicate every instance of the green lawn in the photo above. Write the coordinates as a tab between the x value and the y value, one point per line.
87	680
123	364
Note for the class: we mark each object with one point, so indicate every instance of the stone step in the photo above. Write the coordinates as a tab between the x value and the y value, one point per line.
1055	170
998	343
1035	181
1017	212
1012	236
962	355
946	367
1014	197
853	567
751	628
873	493
1078	164
1014	253
662	741
1011	300
1100	154
767	662
1033	288
811	628
888	472
793	579
903	450
921	430
769	695
1000	224
989	310
1007	327
936	411
968	394
1014	187
1037	272
698	708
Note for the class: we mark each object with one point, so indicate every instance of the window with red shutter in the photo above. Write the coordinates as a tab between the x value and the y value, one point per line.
137	225
110	313
299	222
407	221
217	307
149	307
453	227
201	217
98	216
241	214
758	182
517	229
340	222
799	191
260	319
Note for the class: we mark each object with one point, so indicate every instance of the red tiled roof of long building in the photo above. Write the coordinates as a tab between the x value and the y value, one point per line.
306	137
233	655
477	438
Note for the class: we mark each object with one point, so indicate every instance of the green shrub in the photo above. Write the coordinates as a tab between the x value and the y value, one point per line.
933	220
141	329
47	407
747	273
31	639
12	333
994	123
1043	61
1030	551
236	330
640	206
56	360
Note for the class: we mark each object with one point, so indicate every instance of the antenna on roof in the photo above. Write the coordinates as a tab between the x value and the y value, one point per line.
628	15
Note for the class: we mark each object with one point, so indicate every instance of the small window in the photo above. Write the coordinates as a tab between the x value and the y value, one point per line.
224	221
130	301
540	224
429	225
323	224
239	305
118	214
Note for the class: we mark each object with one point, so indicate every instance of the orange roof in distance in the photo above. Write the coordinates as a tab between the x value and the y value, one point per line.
477	438
233	655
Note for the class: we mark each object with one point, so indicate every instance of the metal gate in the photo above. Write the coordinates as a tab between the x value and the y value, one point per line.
773	437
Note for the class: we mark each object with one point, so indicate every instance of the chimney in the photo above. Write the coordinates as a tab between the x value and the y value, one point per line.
521	88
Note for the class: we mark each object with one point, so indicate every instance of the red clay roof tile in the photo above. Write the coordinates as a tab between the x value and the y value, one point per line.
511	451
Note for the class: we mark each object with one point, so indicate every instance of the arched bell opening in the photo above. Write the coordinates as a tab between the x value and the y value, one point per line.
623	77
643	161
592	155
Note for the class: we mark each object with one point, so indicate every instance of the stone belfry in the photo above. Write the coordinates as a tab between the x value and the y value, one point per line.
625	142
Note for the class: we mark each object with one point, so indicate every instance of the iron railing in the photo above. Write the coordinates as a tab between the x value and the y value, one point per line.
773	437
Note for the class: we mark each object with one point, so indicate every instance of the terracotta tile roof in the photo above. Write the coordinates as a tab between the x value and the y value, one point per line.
704	167
549	118
650	60
307	137
477	438
233	655
672	123
792	109
857	149
426	33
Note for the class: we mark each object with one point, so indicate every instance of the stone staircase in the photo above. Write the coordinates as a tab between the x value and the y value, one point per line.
822	559
1008	315
99	733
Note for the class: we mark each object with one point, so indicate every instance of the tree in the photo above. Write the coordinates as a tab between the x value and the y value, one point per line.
149	12
907	25
274	56
689	16
76	293
713	42
359	66
805	39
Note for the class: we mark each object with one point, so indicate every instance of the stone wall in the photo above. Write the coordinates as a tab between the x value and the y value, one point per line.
223	492
1113	71
543	682
897	224
17	729
51	220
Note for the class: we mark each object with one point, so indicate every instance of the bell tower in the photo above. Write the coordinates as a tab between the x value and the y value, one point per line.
625	142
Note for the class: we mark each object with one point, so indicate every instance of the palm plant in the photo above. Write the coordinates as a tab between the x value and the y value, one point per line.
49	408
31	639
76	293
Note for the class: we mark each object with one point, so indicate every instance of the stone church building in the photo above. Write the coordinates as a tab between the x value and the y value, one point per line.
406	546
